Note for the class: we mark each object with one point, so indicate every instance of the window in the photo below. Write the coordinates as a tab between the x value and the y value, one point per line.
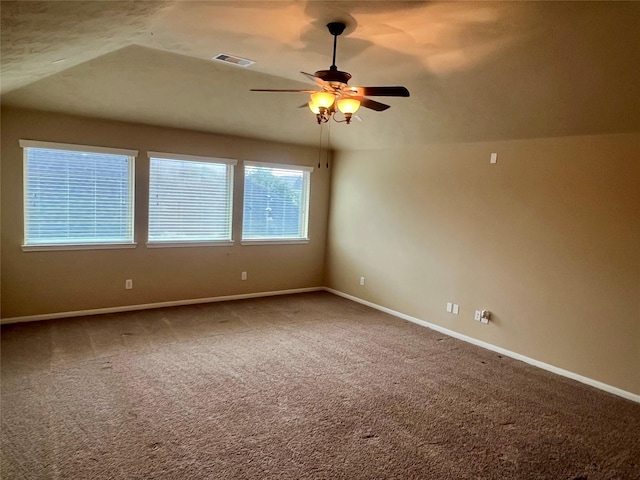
276	202
77	196
190	200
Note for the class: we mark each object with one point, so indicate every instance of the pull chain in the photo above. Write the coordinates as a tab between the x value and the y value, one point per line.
328	143
320	147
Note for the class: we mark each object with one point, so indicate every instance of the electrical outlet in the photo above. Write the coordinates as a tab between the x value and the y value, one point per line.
449	307
456	308
361	280
243	276
478	315
128	284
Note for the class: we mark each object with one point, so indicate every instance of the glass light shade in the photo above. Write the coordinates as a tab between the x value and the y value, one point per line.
323	99
314	108
348	105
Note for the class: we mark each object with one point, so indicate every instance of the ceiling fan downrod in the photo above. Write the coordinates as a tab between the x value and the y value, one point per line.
335	29
333	74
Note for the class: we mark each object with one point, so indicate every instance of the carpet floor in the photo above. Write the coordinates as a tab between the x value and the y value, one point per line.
308	386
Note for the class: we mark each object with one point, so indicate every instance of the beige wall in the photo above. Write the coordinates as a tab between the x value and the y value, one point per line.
548	239
62	281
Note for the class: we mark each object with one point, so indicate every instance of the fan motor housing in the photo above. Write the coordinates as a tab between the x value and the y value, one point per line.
333	75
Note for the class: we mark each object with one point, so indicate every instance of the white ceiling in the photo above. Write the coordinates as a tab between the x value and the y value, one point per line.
476	70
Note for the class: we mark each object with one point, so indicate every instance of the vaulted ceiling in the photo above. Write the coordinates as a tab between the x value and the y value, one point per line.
476	70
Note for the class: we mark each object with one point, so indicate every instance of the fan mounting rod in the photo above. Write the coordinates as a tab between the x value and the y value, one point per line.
335	29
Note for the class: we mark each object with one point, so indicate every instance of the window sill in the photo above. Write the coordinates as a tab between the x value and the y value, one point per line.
222	243
276	241
78	246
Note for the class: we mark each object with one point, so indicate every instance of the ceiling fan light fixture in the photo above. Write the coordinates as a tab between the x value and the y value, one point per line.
313	107
323	99
323	114
348	105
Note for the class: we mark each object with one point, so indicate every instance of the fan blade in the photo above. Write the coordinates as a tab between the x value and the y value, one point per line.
294	91
318	81
372	104
383	91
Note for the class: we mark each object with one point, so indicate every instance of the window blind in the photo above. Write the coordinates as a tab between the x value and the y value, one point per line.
276	202
190	200
75	196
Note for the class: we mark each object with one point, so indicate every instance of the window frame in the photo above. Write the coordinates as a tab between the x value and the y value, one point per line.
306	170
230	163
70	147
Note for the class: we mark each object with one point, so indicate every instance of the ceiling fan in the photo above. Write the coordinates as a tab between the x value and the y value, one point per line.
335	94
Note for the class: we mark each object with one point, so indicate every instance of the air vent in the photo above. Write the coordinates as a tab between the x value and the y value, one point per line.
238	61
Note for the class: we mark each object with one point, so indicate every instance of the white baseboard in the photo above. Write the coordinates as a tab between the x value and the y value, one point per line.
147	306
545	366
127	308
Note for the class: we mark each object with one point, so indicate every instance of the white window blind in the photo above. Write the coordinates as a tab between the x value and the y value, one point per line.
190	199
276	202
77	195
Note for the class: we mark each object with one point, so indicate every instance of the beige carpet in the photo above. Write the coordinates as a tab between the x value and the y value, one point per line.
308	386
